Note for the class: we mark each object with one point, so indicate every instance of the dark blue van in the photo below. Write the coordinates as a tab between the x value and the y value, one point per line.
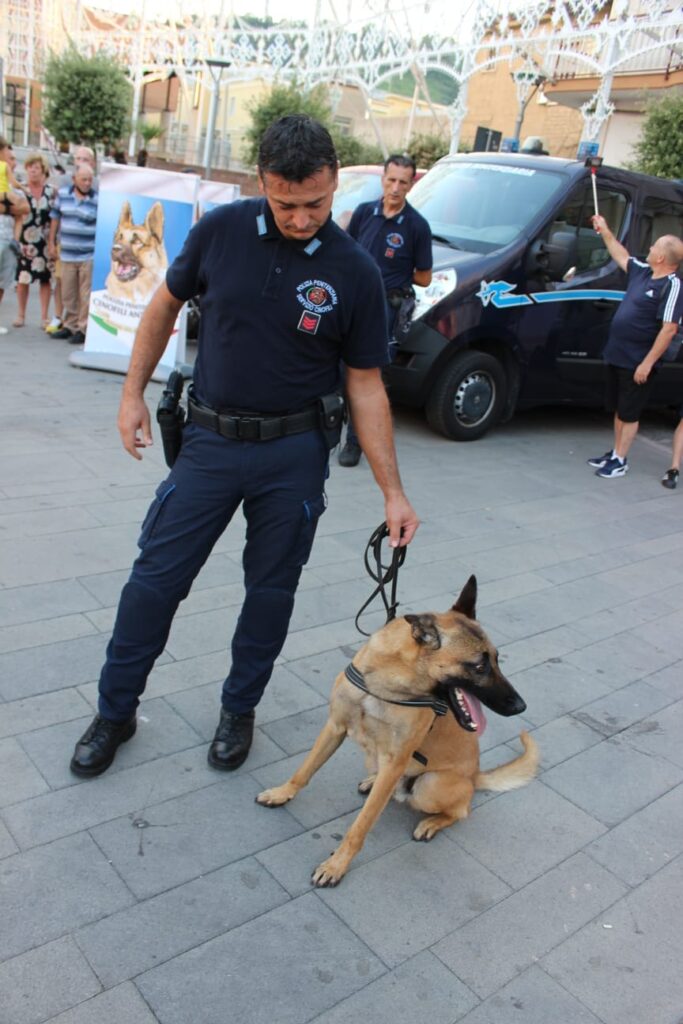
523	288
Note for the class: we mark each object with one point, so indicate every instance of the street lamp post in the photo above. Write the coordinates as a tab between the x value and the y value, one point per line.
215	67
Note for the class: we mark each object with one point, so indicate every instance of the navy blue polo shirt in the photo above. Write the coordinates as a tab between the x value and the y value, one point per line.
277	314
647	304
399	245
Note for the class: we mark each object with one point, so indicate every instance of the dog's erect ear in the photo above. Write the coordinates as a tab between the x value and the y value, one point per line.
155	221
467	602
126	216
423	628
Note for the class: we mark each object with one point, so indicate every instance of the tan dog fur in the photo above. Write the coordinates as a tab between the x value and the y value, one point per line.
139	247
406	659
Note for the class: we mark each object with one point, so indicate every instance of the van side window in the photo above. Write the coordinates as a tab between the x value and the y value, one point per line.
575	218
659	217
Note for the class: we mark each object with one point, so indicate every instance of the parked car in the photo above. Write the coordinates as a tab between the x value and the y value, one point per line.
523	289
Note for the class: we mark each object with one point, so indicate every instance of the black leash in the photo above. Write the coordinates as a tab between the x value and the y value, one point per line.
382	574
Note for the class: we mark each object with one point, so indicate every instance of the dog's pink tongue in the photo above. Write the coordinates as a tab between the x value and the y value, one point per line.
476	712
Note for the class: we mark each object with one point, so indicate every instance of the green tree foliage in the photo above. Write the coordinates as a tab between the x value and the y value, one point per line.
291	99
282	100
427	149
659	150
86	99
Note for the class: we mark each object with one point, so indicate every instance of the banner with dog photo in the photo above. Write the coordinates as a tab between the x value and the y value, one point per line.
143	218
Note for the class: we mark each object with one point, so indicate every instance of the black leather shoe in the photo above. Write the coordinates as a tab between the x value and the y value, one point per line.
97	747
64	334
350	454
77	339
232	741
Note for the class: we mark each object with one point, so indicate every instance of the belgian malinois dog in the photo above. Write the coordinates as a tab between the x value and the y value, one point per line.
411	700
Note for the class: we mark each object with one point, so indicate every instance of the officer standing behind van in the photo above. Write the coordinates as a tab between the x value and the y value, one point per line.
642	329
285	295
400	241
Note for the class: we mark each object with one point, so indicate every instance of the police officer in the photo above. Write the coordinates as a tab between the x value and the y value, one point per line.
400	241
285	295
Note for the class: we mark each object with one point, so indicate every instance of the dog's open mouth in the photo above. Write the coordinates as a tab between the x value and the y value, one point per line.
125	271
468	712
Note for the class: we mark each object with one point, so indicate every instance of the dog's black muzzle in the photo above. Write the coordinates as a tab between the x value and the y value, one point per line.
499	696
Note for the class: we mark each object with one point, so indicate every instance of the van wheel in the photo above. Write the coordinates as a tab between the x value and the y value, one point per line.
468	398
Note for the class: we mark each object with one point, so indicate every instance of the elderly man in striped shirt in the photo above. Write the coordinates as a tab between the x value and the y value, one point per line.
74	217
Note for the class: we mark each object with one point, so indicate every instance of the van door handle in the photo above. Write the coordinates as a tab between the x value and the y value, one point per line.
603	303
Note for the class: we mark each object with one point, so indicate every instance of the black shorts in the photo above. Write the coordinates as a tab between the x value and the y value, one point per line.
623	396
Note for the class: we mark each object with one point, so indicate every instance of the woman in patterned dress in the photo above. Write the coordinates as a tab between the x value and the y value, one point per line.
33	263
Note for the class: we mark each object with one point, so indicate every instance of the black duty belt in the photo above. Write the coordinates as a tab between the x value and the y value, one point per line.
253	428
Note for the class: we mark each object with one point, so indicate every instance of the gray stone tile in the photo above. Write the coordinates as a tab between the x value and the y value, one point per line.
537	648
125	944
659	734
417	989
40	560
645	842
284	695
623	617
411	897
38	898
321	670
522	834
175	676
7	844
47	631
622	658
562	738
491	950
160	732
332	791
298	733
626	963
501	730
52	667
202	633
556	687
533	998
22	716
20	778
294	861
172	842
121	1005
668	680
70	810
307	962
612	780
619	710
43	601
38	523
44	982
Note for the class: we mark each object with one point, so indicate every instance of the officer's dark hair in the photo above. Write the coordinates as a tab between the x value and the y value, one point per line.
295	147
401	160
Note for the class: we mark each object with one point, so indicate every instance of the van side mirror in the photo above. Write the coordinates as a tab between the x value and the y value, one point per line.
553	257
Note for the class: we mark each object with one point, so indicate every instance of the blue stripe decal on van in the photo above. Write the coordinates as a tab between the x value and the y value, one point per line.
501	295
580	293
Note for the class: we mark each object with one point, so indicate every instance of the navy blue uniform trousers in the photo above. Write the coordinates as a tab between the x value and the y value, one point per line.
280	484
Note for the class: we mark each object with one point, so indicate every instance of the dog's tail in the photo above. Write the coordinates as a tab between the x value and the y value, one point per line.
515	773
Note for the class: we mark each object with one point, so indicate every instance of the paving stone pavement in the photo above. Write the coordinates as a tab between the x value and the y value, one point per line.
161	892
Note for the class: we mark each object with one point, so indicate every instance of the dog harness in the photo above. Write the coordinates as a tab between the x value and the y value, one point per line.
439	707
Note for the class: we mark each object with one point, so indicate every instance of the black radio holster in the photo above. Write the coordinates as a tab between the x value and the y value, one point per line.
171	417
331	417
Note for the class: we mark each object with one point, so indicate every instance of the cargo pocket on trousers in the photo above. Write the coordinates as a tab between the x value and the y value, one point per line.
152	520
312	509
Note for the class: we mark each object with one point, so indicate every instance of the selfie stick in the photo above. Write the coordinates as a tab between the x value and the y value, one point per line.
594	162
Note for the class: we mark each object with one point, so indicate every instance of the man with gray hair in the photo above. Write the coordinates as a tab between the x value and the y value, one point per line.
642	329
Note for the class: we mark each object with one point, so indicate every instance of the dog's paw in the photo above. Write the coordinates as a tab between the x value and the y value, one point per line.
366	785
277	796
427	828
329	873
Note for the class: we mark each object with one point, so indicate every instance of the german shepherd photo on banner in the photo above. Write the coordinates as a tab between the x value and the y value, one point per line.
138	256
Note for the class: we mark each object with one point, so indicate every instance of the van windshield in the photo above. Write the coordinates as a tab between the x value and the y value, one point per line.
481	207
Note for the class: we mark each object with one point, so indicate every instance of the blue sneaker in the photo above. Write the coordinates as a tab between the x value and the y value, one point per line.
614	467
598	461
